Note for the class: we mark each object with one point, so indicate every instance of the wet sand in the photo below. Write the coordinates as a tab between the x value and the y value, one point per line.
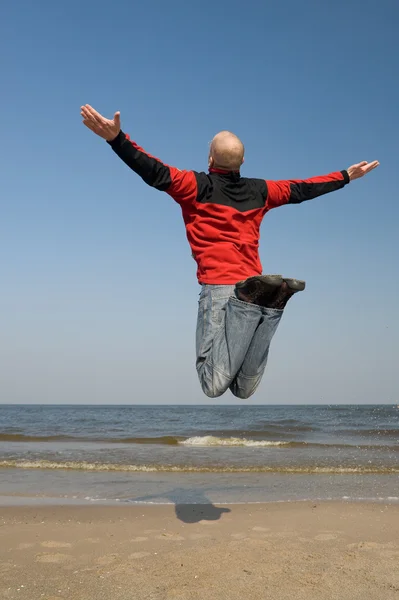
194	552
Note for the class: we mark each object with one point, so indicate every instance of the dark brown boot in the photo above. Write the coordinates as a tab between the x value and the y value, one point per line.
288	288
259	290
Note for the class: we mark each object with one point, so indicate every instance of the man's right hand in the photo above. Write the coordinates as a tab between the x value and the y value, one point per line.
108	129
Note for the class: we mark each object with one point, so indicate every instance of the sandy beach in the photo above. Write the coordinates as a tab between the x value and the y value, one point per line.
194	552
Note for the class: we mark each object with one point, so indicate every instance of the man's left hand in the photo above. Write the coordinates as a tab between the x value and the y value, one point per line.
361	169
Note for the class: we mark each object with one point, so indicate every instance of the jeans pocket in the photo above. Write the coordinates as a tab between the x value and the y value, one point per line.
219	310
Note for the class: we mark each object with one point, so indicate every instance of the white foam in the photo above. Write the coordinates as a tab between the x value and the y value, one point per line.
210	440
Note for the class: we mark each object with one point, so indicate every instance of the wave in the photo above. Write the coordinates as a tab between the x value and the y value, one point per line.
99	467
206	440
170	440
200	440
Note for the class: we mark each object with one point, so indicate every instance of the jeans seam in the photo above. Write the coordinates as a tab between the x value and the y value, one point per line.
217	370
207	308
248	377
272	311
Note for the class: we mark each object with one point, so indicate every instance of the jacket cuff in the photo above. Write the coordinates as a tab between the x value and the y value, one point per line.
345	176
118	141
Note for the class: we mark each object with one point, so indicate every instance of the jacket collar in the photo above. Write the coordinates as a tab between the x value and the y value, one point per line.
233	175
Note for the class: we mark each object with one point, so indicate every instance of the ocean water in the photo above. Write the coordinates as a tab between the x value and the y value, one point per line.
198	454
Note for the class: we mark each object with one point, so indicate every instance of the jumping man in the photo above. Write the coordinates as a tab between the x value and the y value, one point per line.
239	308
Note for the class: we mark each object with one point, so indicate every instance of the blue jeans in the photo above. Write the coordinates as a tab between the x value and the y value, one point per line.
233	340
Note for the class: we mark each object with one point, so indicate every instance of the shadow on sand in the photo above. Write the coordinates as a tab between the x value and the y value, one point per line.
197	507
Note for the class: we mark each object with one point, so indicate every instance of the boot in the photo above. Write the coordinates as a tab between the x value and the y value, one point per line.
288	288
259	290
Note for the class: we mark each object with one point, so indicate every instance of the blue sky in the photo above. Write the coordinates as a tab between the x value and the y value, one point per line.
99	295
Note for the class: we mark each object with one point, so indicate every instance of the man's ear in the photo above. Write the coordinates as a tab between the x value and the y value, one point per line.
210	162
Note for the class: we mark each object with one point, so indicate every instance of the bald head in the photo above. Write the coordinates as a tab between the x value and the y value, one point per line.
226	152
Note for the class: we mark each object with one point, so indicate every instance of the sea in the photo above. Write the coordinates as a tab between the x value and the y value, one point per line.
198	454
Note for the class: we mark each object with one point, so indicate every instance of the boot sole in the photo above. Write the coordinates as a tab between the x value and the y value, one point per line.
295	284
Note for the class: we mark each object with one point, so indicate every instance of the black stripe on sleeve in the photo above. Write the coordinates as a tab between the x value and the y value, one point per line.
307	190
150	169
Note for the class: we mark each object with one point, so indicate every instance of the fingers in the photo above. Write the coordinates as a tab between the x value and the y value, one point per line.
92	115
374	164
93	120
92	111
87	115
117	119
84	111
370	166
357	168
90	125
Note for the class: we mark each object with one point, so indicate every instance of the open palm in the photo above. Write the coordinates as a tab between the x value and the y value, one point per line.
108	129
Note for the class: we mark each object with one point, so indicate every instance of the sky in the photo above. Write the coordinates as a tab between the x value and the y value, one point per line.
99	295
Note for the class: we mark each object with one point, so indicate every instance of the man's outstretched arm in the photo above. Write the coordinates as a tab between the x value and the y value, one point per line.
181	185
297	191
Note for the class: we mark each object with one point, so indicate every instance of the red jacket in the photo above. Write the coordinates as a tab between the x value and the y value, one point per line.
223	211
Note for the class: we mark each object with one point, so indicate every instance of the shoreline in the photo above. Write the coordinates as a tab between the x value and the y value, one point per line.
312	550
190	488
15	500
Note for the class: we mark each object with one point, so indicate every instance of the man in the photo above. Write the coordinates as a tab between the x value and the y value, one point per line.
239	309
